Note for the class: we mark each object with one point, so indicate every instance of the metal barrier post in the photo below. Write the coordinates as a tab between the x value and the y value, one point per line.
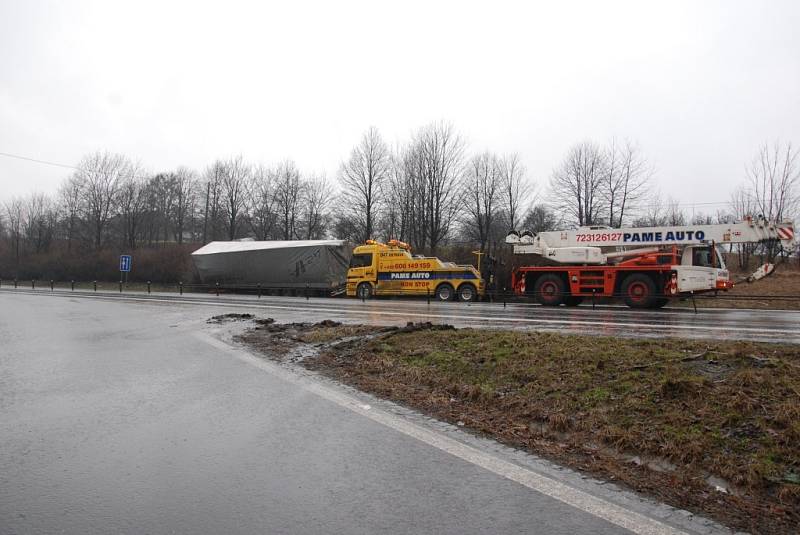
33	284
693	303
120	286
217	286
306	292
259	290
429	295
95	286
180	287
72	285
593	291
51	285
504	297
148	287
15	284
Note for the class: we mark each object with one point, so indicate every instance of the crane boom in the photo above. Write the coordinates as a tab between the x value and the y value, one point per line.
747	231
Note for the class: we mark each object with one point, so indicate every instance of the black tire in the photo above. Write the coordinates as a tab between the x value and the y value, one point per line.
549	290
639	291
445	292
467	293
364	291
660	302
573	301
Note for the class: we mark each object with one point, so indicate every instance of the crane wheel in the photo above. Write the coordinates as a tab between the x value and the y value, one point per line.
639	291
467	293
549	290
444	292
364	290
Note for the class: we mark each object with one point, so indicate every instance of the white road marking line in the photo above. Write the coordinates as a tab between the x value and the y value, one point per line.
575	322
615	514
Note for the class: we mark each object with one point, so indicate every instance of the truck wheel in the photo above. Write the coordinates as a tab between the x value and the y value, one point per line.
364	290
639	291
444	292
467	293
549	290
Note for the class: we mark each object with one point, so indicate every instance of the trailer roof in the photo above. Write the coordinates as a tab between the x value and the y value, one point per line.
216	247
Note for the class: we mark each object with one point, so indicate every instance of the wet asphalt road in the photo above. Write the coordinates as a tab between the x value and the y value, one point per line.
117	417
716	324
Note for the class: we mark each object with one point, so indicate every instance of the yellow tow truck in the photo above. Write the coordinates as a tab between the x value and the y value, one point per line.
390	269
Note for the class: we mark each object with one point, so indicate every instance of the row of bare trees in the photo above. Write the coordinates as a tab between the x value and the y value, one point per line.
110	201
429	191
601	185
611	185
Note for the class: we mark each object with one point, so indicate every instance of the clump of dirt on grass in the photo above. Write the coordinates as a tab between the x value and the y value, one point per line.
233	316
709	426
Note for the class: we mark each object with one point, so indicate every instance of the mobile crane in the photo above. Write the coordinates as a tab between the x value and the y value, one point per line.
645	266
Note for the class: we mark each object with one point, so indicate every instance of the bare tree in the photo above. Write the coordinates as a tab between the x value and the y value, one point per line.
101	174
743	205
132	203
263	197
362	178
184	187
576	185
235	180
624	180
161	203
15	214
69	199
398	215
317	194
515	190
658	212
774	176
213	200
540	218
288	189
434	170
39	221
675	215
483	180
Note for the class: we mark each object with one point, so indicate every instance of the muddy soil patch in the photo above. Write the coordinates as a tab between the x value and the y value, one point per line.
713	427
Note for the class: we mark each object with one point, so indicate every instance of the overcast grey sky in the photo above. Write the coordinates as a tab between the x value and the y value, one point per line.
699	85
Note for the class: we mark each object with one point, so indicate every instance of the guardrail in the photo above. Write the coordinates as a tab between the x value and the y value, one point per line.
499	296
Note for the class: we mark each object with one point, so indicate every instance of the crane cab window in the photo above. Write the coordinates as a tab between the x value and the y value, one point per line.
361	260
701	257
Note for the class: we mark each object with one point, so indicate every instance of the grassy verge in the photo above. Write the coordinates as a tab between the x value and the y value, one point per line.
709	426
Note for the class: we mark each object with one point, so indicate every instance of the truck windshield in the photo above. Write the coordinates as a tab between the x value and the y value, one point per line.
701	257
361	260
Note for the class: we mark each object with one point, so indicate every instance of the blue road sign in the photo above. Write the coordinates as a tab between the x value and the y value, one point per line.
125	262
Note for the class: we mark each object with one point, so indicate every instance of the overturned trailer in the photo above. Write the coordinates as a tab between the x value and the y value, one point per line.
319	265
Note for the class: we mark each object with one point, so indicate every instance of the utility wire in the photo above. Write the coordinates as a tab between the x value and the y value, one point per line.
63	165
45	162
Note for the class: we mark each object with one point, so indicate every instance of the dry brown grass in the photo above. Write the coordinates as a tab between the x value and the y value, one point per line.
781	290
